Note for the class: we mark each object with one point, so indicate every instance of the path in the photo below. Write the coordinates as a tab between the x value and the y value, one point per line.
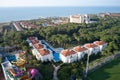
56	68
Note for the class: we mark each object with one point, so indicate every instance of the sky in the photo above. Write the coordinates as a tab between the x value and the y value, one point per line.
46	3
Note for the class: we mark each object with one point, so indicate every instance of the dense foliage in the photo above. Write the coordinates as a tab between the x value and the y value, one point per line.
67	36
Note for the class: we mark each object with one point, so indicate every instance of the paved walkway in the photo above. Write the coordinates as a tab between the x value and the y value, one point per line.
56	68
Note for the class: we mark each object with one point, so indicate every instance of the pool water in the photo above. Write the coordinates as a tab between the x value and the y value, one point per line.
55	54
11	58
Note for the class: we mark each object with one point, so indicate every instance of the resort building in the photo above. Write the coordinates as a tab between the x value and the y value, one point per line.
44	52
78	52
79	18
93	48
81	51
102	45
109	14
27	25
17	26
39	50
68	56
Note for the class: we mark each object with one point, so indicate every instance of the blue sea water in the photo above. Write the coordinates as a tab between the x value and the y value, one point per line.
25	13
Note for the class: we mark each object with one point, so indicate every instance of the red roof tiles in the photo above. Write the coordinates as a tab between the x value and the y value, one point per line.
67	52
90	45
99	43
44	52
34	41
38	46
79	49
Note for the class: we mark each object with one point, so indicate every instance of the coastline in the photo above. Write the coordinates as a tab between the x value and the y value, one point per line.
9	14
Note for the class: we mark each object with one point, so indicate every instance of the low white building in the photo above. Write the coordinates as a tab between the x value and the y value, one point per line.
45	55
102	45
81	51
93	49
68	56
79	18
39	50
32	41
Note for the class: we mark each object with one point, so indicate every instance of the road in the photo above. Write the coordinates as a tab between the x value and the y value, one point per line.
56	68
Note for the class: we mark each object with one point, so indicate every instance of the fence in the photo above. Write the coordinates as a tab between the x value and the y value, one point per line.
102	62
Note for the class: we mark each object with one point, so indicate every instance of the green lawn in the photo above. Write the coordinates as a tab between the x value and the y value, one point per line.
110	71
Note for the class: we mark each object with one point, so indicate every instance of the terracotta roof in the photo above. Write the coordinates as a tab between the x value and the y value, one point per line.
67	52
34	41
38	46
44	52
99	42
79	49
90	45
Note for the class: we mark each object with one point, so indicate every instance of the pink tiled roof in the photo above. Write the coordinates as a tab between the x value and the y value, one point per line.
67	52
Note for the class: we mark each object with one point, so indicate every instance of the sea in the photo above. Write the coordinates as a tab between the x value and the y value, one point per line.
8	14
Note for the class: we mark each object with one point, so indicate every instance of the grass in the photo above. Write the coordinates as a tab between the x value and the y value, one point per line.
110	71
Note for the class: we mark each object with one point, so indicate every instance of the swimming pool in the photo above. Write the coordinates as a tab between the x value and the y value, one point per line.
55	54
11	57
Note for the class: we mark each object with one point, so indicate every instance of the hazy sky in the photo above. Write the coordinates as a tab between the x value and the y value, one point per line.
22	3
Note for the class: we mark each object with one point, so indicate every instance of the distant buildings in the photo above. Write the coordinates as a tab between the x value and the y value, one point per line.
79	18
77	53
17	26
109	14
27	25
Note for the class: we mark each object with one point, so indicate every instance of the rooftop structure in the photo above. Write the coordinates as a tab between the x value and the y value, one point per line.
44	52
99	42
90	45
67	52
38	46
80	49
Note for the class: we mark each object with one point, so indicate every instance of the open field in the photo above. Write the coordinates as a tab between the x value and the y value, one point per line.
110	71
